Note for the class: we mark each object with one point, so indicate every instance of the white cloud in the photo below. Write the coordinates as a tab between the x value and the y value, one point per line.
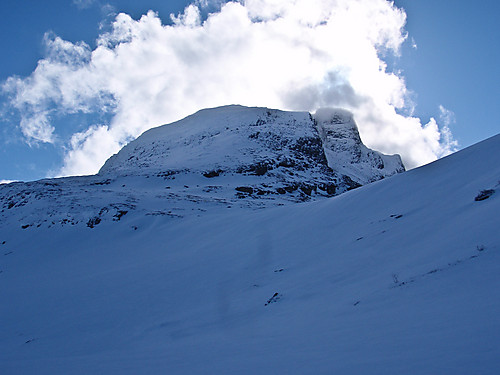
414	43
447	118
83	4
190	17
288	54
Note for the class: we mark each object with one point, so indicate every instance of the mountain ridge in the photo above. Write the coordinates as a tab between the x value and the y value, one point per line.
279	129
215	159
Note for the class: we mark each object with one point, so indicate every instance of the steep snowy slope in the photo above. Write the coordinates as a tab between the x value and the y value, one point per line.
397	277
227	157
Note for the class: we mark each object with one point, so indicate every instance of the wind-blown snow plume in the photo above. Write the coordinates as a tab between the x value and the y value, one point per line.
287	54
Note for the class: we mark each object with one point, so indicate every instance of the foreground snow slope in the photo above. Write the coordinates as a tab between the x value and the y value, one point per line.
397	277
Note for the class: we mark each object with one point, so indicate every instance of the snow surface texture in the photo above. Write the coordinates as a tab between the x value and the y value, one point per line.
227	157
397	277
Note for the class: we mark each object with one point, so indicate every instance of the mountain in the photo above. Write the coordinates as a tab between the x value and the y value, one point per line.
216	159
398	276
258	141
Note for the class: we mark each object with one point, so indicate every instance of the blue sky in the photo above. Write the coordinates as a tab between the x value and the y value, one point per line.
449	66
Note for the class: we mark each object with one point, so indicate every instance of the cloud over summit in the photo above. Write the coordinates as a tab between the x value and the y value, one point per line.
286	54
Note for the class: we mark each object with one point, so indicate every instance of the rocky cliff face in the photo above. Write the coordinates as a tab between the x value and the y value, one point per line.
218	158
345	152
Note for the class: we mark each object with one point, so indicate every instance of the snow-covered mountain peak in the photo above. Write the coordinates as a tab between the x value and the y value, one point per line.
215	159
226	138
234	138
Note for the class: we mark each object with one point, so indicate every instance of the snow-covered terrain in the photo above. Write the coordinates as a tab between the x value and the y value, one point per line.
236	139
400	276
216	159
